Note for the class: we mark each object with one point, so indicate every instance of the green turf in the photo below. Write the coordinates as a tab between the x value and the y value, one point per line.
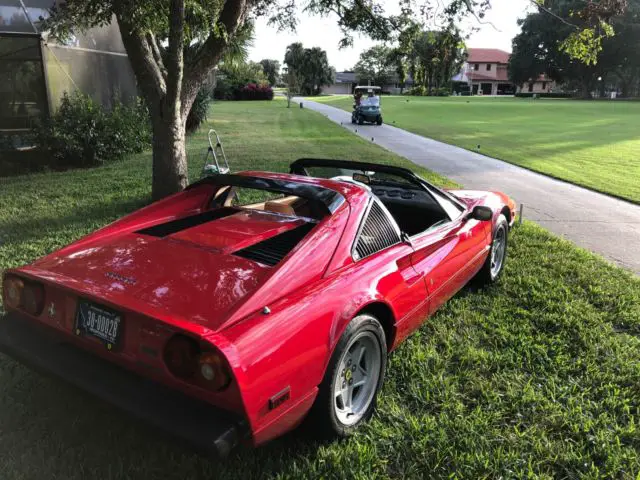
538	376
594	144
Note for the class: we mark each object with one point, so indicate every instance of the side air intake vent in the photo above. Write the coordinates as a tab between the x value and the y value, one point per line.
273	250
175	226
377	233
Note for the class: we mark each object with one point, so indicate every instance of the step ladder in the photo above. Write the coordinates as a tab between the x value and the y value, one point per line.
212	164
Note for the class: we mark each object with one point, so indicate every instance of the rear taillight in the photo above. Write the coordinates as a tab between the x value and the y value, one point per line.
213	371
12	291
24	295
33	298
186	360
181	356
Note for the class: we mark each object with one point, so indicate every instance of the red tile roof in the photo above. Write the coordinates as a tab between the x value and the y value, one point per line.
487	55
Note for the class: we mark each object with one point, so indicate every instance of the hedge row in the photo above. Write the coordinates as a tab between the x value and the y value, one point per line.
251	91
544	95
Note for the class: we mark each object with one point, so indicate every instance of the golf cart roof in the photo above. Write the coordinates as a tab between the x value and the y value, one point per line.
367	87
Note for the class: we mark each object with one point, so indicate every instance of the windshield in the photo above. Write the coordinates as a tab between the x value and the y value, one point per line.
375	178
370	102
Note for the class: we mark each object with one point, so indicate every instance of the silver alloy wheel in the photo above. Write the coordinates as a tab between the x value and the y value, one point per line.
497	251
356	380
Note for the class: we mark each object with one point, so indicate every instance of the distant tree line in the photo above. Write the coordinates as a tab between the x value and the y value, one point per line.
431	57
536	51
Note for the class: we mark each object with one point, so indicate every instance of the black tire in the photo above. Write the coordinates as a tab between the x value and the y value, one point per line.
360	120
323	417
353	119
379	120
487	274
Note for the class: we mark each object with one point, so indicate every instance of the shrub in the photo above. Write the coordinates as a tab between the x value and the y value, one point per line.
223	90
81	133
250	91
418	91
198	112
421	91
544	95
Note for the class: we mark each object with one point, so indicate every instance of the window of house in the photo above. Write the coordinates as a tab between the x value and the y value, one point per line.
544	85
23	97
531	86
476	66
488	67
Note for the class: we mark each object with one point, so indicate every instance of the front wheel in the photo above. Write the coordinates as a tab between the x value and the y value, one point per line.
348	393
493	266
360	120
379	120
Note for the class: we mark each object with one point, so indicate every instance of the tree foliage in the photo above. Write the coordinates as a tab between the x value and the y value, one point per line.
434	57
174	45
538	49
375	66
271	69
309	67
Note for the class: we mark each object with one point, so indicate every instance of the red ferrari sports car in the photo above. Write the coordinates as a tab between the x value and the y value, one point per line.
233	310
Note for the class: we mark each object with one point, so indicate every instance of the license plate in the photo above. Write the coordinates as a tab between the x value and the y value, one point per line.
98	322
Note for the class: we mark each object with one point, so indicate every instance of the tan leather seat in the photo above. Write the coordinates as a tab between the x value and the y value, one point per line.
281	208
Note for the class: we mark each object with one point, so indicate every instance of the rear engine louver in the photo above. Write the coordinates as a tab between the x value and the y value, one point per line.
377	233
273	250
175	226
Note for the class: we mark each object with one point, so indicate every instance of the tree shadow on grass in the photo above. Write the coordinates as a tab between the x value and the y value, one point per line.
50	427
24	229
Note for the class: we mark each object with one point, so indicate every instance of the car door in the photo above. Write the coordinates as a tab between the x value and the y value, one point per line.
386	262
448	255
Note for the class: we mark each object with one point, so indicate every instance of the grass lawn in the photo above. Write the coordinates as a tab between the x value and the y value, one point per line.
537	376
594	144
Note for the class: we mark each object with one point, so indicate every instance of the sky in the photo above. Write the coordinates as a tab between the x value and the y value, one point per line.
322	32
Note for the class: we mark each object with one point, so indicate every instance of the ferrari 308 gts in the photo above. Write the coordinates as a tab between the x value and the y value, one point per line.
233	310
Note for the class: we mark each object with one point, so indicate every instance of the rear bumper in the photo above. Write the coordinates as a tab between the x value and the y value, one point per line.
207	429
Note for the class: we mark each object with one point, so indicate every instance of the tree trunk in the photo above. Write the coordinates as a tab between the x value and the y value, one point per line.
170	87
624	87
585	92
169	156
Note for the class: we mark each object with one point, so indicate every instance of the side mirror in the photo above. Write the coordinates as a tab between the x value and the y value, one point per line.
481	213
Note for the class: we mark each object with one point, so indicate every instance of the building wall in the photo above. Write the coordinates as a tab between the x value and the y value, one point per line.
94	63
537	87
482	69
338	89
497	88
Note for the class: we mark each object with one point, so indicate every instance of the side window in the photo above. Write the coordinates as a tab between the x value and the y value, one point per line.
376	233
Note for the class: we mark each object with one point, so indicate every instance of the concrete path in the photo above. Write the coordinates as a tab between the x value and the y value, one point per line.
592	220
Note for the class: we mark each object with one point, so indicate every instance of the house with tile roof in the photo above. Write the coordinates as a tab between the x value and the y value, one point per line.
486	71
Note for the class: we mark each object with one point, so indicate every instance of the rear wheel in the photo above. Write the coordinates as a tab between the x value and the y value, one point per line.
348	393
494	264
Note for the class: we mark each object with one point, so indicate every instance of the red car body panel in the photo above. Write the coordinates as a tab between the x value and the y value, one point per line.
190	282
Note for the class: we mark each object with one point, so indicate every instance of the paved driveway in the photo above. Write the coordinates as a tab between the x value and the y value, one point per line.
592	220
